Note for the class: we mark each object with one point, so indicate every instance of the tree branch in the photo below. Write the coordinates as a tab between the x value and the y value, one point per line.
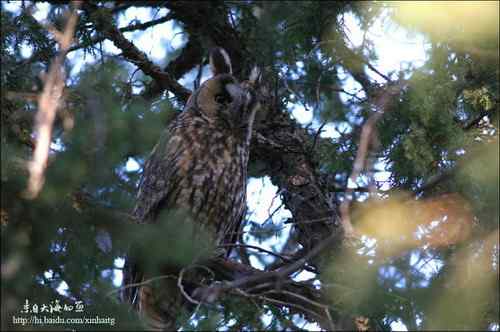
300	297
103	20
476	120
48	103
132	27
190	56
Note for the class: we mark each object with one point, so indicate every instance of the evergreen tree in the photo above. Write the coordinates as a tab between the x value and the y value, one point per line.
424	247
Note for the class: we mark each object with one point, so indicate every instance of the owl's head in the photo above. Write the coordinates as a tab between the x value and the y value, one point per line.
221	98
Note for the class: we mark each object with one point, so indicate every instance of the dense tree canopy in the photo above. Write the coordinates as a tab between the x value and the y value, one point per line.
408	156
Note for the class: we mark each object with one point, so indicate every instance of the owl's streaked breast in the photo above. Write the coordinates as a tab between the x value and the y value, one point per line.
206	172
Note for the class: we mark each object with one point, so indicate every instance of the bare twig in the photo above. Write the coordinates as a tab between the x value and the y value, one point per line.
48	103
257	248
314	252
287	304
309	221
448	173
367	138
298	296
332	88
269	213
142	283
284	271
377	71
322	306
293	92
316	136
183	291
276	301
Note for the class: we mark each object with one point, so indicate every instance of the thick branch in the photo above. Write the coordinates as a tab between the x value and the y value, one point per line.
284	147
290	169
132	27
190	56
472	123
103	20
281	144
48	103
243	280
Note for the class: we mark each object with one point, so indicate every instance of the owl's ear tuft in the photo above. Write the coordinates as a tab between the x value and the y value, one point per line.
220	63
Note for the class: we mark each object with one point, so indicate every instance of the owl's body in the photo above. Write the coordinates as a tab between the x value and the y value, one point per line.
199	166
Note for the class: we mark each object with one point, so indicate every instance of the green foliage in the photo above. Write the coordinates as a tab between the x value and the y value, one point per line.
67	229
74	231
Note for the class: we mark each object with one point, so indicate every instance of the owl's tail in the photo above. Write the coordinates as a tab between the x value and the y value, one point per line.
157	300
158	313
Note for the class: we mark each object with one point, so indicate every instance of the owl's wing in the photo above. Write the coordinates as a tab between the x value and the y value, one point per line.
158	180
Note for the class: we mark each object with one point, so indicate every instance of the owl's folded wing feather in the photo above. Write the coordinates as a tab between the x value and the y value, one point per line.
159	178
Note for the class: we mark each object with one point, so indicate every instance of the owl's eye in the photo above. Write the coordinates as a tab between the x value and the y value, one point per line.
222	98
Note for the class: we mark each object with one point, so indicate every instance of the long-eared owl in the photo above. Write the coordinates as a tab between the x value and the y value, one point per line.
199	165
